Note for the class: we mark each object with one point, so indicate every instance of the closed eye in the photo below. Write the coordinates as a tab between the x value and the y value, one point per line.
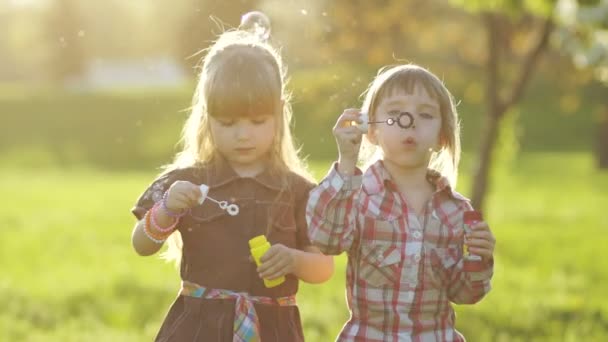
226	122
259	121
426	115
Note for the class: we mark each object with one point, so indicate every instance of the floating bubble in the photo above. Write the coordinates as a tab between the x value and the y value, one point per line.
257	23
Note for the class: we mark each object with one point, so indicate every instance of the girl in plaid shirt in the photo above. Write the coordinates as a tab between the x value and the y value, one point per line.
401	221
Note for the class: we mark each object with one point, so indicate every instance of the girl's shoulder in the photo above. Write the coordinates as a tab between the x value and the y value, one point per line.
190	174
155	190
299	182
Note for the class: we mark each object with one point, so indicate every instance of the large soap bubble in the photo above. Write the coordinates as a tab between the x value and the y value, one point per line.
257	23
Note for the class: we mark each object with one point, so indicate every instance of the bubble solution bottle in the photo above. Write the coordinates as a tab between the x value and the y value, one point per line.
259	246
472	262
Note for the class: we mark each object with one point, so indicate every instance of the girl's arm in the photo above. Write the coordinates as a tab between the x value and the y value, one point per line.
141	243
469	287
332	210
309	264
181	195
312	266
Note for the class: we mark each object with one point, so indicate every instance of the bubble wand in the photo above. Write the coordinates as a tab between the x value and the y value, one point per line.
231	209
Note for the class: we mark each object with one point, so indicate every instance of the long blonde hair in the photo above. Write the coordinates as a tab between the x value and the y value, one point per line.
240	74
405	77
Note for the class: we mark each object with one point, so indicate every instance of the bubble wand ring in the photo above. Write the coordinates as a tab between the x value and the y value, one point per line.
231	209
405	120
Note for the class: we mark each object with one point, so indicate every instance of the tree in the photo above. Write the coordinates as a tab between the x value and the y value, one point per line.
505	22
502	19
584	35
64	37
381	32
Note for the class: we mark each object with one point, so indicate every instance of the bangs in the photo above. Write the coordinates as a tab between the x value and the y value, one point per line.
405	80
240	88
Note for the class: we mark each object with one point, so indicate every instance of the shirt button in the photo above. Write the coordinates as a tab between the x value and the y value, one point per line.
417	257
417	235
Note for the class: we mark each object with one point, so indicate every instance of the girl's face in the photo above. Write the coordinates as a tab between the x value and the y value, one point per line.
412	147
245	141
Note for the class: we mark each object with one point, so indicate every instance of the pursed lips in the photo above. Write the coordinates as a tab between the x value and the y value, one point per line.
410	143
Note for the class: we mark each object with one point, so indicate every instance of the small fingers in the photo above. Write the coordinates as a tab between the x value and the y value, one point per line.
349	118
275	270
479	243
482	252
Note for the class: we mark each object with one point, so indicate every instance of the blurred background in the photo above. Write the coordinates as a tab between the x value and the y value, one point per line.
93	96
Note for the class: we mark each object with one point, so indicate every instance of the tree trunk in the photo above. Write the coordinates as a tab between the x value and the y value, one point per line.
497	107
482	171
491	119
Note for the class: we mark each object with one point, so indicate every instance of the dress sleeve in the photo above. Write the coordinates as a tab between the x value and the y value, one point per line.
153	194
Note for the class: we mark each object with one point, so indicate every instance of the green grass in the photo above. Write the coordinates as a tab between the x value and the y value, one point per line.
69	273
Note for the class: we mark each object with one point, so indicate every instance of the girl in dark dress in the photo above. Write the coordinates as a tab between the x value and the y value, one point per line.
237	141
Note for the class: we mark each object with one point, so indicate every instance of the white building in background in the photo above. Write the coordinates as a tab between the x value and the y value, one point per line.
106	74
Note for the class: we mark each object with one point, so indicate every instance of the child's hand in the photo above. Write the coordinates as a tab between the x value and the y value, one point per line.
481	241
278	261
182	195
348	136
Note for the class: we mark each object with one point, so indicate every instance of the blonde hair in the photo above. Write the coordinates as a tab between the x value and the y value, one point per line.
240	75
404	78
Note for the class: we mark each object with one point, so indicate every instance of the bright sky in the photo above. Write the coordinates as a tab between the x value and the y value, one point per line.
24	3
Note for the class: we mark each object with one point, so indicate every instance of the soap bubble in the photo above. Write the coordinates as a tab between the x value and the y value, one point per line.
256	23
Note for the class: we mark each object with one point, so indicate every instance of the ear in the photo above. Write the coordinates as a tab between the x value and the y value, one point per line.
372	134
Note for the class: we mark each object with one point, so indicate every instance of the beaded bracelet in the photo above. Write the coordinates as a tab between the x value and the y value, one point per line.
152	232
153	237
170	212
157	227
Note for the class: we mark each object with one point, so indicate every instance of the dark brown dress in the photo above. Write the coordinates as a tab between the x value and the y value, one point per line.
216	252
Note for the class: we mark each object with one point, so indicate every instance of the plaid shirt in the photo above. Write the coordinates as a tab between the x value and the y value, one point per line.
403	270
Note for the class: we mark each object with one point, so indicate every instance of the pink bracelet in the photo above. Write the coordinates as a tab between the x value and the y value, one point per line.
170	212
168	229
153	236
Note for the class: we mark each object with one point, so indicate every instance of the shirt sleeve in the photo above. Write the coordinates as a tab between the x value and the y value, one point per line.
468	287
152	194
331	212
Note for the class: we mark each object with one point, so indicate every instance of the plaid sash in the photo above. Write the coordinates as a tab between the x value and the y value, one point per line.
246	324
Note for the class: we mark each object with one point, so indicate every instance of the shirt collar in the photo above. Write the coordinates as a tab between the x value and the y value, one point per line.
377	179
219	172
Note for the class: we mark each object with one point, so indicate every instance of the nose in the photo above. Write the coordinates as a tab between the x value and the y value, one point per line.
242	130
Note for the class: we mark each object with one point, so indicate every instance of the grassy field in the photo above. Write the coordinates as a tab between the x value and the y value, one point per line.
68	272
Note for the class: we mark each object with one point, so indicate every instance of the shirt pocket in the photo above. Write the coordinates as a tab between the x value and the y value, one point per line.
438	265
381	256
